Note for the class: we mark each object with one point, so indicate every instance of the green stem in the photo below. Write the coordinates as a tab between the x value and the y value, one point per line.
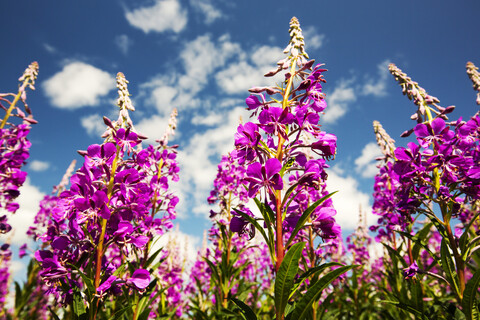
12	106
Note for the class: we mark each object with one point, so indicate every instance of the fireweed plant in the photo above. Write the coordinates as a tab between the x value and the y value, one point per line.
285	182
96	249
437	178
232	266
14	151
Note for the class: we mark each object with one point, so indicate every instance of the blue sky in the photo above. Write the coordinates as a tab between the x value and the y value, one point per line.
201	56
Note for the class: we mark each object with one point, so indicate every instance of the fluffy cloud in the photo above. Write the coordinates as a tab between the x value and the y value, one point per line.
28	200
153	127
200	58
93	124
338	102
376	87
238	77
77	85
37	165
366	164
348	200
123	42
164	15
207	9
199	159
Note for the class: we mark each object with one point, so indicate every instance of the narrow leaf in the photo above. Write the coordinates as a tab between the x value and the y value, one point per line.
303	306
468	302
286	276
449	267
246	311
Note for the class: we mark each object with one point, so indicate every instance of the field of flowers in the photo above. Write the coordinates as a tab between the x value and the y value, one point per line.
275	250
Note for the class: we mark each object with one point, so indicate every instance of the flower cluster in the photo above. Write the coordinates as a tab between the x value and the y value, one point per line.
118	201
277	144
14	144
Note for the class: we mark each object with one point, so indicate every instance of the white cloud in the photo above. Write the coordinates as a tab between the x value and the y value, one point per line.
366	164
377	87
153	127
313	40
37	165
123	42
199	159
240	76
28	200
162	16
338	101
77	85
348	200
210	119
208	9
200	58
93	124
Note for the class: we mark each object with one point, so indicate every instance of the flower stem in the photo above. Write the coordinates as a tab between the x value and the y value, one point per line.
12	106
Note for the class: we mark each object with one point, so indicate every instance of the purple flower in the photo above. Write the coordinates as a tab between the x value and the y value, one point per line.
247	138
264	176
140	279
411	271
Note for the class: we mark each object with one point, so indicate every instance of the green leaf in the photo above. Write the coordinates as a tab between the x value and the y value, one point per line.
79	306
394	253
419	242
312	272
468	303
463	243
152	258
247	312
303	306
305	215
449	267
408	308
286	276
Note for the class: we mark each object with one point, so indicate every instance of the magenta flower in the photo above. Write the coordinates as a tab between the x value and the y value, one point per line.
264	176
411	271
140	279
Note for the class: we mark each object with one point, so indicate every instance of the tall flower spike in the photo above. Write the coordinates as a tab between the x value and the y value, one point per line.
384	141
296	46
125	104
29	76
172	125
474	75
295	50
420	97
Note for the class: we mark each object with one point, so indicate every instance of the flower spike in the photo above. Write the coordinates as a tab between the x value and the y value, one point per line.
474	75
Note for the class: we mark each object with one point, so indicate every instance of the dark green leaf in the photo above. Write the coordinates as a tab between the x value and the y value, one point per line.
79	306
468	302
406	307
449	267
286	276
313	294
247	312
